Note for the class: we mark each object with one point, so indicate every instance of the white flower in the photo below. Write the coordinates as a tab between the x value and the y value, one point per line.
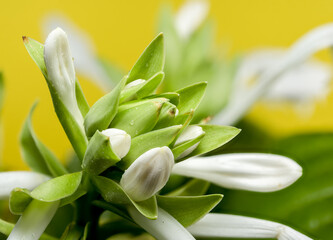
60	70
165	227
34	220
120	141
191	132
22	179
83	50
241	100
148	174
247	171
304	83
232	226
190	16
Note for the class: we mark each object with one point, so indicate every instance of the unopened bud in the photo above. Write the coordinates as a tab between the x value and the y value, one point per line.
120	141
134	83
190	133
148	174
60	69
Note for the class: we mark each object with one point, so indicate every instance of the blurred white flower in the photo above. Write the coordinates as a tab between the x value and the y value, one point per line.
34	220
247	171
190	16
241	100
22	179
233	226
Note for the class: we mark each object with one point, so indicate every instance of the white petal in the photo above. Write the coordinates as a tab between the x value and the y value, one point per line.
190	16
233	226
165	227
34	220
246	171
22	179
240	101
83	50
120	141
148	174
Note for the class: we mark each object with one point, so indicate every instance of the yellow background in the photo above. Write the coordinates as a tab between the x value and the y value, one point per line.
121	30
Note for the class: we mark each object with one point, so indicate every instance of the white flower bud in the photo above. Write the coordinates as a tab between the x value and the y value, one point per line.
120	141
148	174
134	83
190	133
60	70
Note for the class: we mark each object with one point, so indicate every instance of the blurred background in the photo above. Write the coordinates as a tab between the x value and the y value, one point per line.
120	30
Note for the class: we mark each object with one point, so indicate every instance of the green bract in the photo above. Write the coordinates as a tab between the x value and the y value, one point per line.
153	120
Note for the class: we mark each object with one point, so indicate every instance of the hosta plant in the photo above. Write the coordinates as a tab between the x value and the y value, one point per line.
129	143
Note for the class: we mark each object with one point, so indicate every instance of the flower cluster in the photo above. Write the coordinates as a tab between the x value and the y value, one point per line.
130	144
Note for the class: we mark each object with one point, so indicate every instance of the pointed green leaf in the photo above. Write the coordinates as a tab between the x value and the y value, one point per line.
172	96
36	51
145	142
72	232
103	111
99	155
188	210
112	192
215	136
190	97
113	208
19	199
194	187
81	99
130	93
36	154
140	119
57	188
167	115
150	62
179	149
151	85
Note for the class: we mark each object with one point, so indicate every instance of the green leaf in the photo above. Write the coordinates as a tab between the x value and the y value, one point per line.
80	191
130	93
57	188
151	85
179	149
150	62
99	155
19	199
190	97
167	115
194	187
86	231
103	111
72	232
139	119
112	208
145	142
172	96
36	154
188	210
112	192
81	99
215	136
36	51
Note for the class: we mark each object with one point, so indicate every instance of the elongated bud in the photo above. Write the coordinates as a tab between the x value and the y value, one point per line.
190	133
148	174
60	69
120	141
